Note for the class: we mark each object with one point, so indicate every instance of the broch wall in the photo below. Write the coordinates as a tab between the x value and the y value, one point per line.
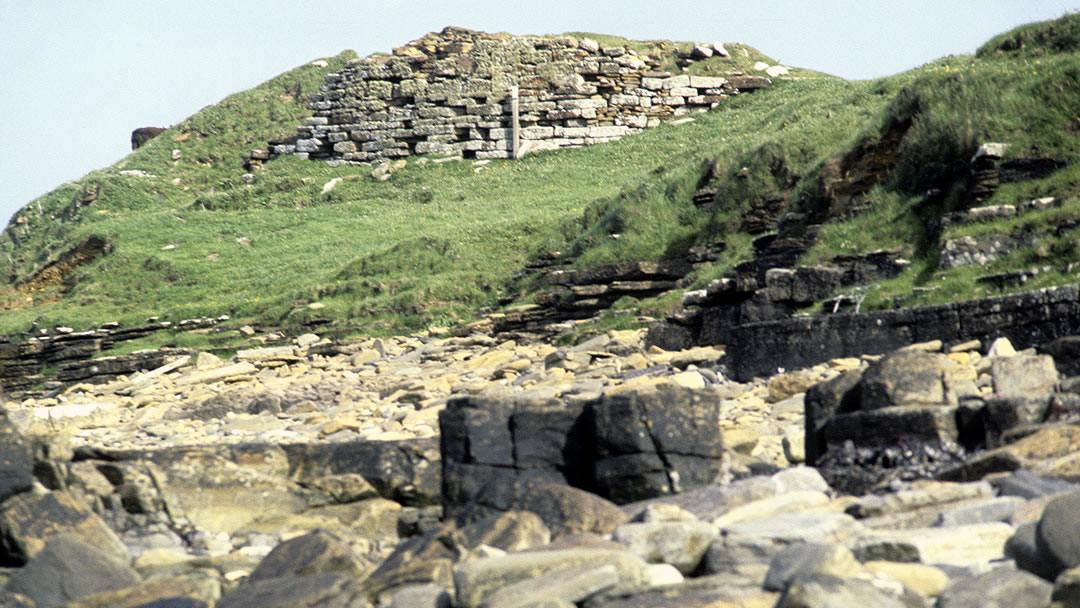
478	95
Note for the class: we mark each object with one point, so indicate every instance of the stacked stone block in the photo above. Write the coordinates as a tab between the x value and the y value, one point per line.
451	94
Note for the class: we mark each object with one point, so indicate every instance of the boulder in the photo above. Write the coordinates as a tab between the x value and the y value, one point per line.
567	510
999	508
1023	549
790	528
827	591
998	588
656	441
405	471
681	544
421	596
1024	375
140	136
718	591
68	568
964	546
1067	588
1057	536
904	377
16	460
1066	354
808	559
572	585
475	580
930	581
314	553
421	560
748	556
30	520
636	444
324	590
174	592
428	559
821	403
709	503
509	531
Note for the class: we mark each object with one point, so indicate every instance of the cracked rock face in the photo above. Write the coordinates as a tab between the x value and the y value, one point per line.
626	446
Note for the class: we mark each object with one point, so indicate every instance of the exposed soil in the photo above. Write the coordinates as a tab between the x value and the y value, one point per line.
56	273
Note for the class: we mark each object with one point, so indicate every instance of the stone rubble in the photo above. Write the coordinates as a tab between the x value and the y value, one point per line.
310	474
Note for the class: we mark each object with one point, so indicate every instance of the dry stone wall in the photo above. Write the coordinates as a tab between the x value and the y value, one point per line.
478	95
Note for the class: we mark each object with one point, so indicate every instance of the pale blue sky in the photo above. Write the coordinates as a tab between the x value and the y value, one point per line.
76	76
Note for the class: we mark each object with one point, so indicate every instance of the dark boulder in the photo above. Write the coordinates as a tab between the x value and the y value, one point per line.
656	441
140	136
1066	354
822	402
629	446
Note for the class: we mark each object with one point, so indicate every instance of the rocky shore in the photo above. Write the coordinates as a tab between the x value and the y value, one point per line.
479	471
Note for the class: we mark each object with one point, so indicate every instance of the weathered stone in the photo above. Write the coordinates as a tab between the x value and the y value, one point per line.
16	460
823	591
934	424
806	560
932	495
567	510
904	378
312	591
421	596
981	511
822	402
30	520
1066	354
957	545
572	585
1023	375
424	559
176	592
67	568
1058	533
656	441
681	544
477	579
314	553
798	527
405	471
510	531
998	588
926	580
215	492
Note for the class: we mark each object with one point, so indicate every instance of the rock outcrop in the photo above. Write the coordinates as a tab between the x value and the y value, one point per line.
495	481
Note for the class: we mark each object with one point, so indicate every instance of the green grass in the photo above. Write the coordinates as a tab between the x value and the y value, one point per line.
438	243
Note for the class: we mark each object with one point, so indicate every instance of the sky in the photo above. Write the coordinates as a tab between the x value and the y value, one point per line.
77	76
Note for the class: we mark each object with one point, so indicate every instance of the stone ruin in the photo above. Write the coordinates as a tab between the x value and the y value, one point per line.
476	95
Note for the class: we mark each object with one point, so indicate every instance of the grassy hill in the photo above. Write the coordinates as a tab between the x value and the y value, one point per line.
187	235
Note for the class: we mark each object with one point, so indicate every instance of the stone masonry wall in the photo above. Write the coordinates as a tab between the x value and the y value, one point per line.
451	94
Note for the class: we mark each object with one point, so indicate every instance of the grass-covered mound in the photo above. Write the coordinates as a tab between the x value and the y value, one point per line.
188	236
